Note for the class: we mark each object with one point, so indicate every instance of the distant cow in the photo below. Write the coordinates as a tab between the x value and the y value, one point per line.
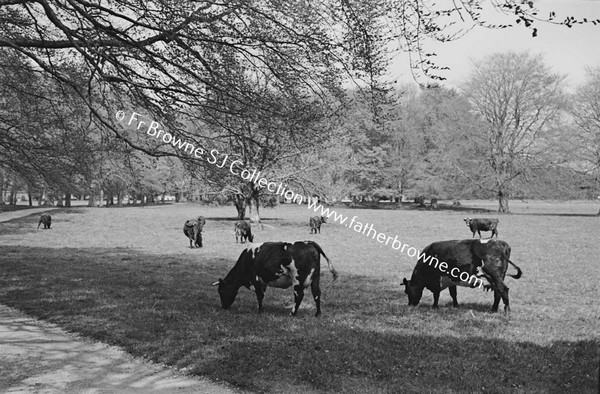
276	264
192	228
433	204
462	258
243	231
46	219
478	225
315	223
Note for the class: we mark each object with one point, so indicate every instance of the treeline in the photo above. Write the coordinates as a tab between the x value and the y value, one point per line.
511	131
267	84
523	138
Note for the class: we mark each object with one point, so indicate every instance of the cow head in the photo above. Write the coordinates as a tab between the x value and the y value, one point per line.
323	219
467	221
227	292
413	292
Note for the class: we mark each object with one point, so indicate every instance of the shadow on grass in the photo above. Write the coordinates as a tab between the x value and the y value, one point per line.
235	219
11	208
29	223
575	215
163	308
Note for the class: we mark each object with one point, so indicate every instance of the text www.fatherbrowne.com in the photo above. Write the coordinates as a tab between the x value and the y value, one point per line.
151	128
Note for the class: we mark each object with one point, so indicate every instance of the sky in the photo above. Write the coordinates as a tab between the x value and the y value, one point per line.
566	50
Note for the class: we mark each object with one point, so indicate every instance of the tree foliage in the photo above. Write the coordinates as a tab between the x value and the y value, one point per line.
520	101
263	78
586	136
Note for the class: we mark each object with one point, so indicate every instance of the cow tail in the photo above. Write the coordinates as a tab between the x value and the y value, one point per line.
519	272
329	264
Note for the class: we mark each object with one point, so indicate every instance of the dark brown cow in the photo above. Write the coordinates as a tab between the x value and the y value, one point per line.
315	223
192	228
462	260
276	264
477	225
243	231
45	219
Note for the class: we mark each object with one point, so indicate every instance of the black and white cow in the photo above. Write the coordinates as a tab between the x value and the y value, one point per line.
243	231
276	264
477	225
192	229
46	220
463	259
315	223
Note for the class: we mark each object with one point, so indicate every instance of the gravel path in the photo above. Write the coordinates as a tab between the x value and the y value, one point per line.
38	357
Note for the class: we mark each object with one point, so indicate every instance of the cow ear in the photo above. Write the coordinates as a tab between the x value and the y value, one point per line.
404	282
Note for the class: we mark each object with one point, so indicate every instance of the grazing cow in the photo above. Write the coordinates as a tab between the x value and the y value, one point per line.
192	228
461	258
276	264
315	223
243	231
478	225
46	219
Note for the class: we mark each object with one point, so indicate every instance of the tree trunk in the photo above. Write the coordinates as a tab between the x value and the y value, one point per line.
240	205
92	200
68	200
13	195
30	198
253	206
1	187
503	202
41	197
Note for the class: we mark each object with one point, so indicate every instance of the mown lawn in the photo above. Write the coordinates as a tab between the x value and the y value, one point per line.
127	277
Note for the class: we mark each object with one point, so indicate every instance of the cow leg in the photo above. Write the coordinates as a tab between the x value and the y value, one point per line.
505	300
500	292
479	233
259	289
496	301
452	290
436	298
298	296
316	293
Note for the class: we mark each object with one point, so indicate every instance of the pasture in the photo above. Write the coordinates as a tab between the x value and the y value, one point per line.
127	277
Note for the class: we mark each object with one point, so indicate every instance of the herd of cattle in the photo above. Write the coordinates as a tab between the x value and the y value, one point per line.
282	264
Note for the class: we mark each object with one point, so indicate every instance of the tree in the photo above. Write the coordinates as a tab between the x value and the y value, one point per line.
45	128
520	101
172	59
586	113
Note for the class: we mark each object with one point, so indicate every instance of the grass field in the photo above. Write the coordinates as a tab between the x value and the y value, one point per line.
127	276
